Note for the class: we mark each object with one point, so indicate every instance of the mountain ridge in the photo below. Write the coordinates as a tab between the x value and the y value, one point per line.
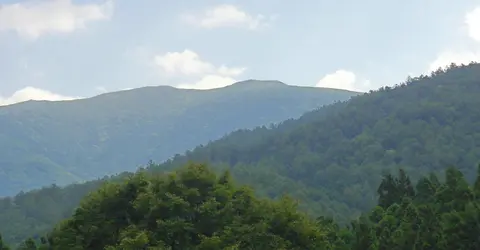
70	141
249	84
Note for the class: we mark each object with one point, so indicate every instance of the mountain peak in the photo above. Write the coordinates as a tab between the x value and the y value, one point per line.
253	84
259	82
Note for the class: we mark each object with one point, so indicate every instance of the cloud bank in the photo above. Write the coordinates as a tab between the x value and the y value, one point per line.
227	16
31	93
462	56
343	79
200	74
33	19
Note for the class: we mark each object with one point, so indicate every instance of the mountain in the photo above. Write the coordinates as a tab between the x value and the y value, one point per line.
332	159
69	141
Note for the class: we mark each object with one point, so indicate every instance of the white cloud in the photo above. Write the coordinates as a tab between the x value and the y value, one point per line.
33	19
472	20
201	74
101	89
224	70
343	79
445	58
227	16
189	63
185	63
31	93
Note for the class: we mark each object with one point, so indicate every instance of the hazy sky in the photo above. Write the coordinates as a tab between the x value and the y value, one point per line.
60	49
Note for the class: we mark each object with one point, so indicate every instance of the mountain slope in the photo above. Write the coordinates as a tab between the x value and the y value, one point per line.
332	159
63	142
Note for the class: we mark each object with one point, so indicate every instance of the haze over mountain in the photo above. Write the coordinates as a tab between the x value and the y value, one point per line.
62	142
330	159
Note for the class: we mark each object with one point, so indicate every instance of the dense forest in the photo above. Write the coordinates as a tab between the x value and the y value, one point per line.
73	141
331	160
193	208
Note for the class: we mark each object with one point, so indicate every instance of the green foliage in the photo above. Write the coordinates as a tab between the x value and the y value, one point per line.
34	213
3	245
333	159
193	208
28	244
188	209
65	142
445	217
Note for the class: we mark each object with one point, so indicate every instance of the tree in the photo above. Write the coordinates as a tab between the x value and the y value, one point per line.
190	208
3	246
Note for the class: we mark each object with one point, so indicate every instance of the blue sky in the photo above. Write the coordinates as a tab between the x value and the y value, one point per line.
63	49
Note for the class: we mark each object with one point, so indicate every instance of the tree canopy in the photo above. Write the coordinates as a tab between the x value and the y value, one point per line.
333	159
193	208
189	209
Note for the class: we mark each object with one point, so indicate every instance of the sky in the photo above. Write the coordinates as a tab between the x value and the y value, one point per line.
67	49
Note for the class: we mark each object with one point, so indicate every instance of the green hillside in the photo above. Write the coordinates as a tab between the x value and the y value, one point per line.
64	142
332	159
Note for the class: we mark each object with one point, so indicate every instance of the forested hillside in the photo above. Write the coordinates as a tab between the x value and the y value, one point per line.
195	209
332	160
63	142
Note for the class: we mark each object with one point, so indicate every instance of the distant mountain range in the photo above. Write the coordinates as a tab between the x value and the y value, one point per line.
68	141
331	159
